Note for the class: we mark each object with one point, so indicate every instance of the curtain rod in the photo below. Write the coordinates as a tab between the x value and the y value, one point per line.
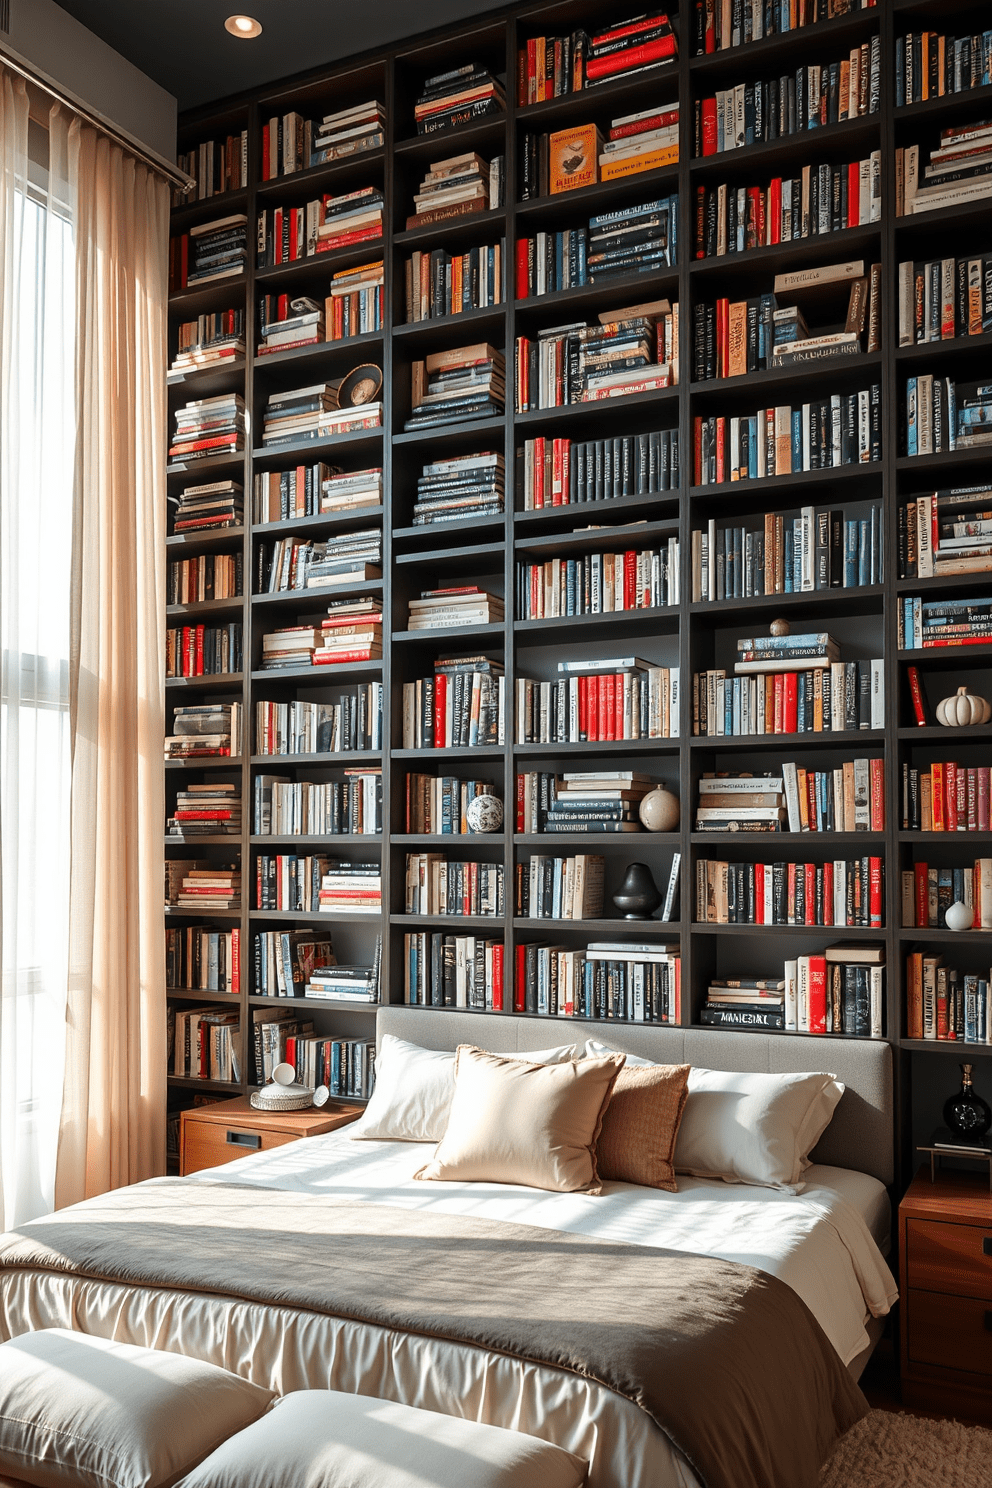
149	157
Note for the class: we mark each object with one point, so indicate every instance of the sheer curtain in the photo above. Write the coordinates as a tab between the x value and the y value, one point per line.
37	440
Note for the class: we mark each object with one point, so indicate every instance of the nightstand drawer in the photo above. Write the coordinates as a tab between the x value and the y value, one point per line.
207	1146
950	1332
954	1258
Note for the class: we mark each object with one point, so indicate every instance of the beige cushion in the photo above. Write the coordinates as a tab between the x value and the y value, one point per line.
413	1090
322	1439
513	1121
637	1142
99	1414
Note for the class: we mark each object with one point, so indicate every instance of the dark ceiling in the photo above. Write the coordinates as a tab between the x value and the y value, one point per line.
182	44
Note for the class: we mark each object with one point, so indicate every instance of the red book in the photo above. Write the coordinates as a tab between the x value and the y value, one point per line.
775	210
922	887
625	61
519	979
558	460
817	994
721	451
332	658
608	691
809	894
709	126
523	277
951	797
828	893
234	979
709	31
916	694
440	699
853	194
759	893
641	126
790	699
343	240
520	804
583	709
630	28
875	892
199	651
497	978
943	1026
630	580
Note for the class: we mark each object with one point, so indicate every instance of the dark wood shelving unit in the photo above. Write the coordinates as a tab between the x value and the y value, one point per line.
425	557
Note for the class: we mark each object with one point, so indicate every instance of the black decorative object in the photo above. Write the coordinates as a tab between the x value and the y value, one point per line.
966	1114
638	897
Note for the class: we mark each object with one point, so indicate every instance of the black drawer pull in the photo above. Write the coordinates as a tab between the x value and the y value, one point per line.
988	1320
251	1140
987	1245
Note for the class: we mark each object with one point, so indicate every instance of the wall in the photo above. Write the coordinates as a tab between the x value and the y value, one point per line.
45	35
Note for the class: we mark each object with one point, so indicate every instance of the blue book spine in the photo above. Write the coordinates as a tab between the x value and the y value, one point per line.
982	1012
864	552
728	707
900	71
752	447
911	442
789	546
801	702
850	555
673	218
971	1010
952	414
336	1068
797	555
797	440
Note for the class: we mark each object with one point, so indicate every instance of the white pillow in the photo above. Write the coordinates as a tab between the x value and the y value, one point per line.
84	1410
413	1090
593	1049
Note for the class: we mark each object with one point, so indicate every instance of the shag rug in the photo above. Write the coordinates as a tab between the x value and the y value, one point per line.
897	1451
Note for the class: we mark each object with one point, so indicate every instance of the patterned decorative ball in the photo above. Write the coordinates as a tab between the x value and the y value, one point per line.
659	811
484	814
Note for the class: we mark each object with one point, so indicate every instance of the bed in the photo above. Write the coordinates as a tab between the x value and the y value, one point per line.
826	1244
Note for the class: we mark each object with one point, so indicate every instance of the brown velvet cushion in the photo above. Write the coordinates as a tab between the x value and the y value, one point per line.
637	1142
516	1122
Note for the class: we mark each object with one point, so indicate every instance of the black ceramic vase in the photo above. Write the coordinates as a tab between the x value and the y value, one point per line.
966	1114
638	897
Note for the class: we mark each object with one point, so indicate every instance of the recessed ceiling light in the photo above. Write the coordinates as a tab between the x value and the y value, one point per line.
242	26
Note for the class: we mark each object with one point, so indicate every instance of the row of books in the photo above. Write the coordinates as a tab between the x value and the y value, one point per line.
316	412
207	810
348	985
560	888
842	698
459	96
203	957
821	199
345	1066
628	352
209	341
313	563
948	797
928	893
351	723
941	298
721	24
462	705
215	166
463	605
838	992
600	701
599	583
811	551
943	415
289	883
849	797
944	1003
286	960
734	337
437	804
308	490
847	892
458	488
205	1043
452	971
606	979
208	577
955	172
351	632
553	66
949	531
580	801
630	240
291	143
456	186
201	730
466	382
925	624
931	65
215	504
194	884
317	808
578	157
813	96
203	650
208	252
823	434
439	283
565	472
205	428
436	885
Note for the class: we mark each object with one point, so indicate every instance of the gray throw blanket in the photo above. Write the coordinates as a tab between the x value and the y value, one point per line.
726	1360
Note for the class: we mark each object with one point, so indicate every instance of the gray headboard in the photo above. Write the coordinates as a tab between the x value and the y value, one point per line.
861	1134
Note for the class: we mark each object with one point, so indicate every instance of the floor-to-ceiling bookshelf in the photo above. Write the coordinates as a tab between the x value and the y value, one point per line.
693	635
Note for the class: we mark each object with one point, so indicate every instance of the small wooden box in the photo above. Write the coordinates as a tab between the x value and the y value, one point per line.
227	1130
945	1275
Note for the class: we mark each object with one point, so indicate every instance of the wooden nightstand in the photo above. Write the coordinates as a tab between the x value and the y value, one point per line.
945	1273
221	1133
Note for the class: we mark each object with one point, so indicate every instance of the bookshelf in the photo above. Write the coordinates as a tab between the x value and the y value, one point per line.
693	635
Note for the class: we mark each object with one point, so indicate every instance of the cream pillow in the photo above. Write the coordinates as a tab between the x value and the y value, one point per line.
754	1128
517	1121
99	1414
323	1439
413	1090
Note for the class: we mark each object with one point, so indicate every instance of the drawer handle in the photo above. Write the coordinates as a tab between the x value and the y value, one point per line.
988	1320
251	1140
987	1245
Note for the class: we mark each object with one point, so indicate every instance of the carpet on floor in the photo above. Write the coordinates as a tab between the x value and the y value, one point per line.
886	1450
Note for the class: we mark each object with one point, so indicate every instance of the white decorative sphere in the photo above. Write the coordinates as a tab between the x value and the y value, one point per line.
484	814
958	916
659	810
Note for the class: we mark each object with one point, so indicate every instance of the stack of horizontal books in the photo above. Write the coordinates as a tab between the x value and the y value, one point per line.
355	217
927	624
209	427
947	532
210	251
745	1002
297	563
351	632
211	886
617	358
467	382
348	489
779	653
465	486
632	240
595	801
343	984
349	131
205	729
303	325
291	647
641	142
206	810
436	609
741	803
630	46
313	413
216	504
352	887
958	171
452	187
210	340
459	96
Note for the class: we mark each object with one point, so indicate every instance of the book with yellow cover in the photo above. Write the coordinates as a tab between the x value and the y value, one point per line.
572	158
632	165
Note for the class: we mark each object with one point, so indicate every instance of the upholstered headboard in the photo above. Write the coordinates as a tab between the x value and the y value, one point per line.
861	1134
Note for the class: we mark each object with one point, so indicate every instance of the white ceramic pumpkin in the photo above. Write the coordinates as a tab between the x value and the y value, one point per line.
963	708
